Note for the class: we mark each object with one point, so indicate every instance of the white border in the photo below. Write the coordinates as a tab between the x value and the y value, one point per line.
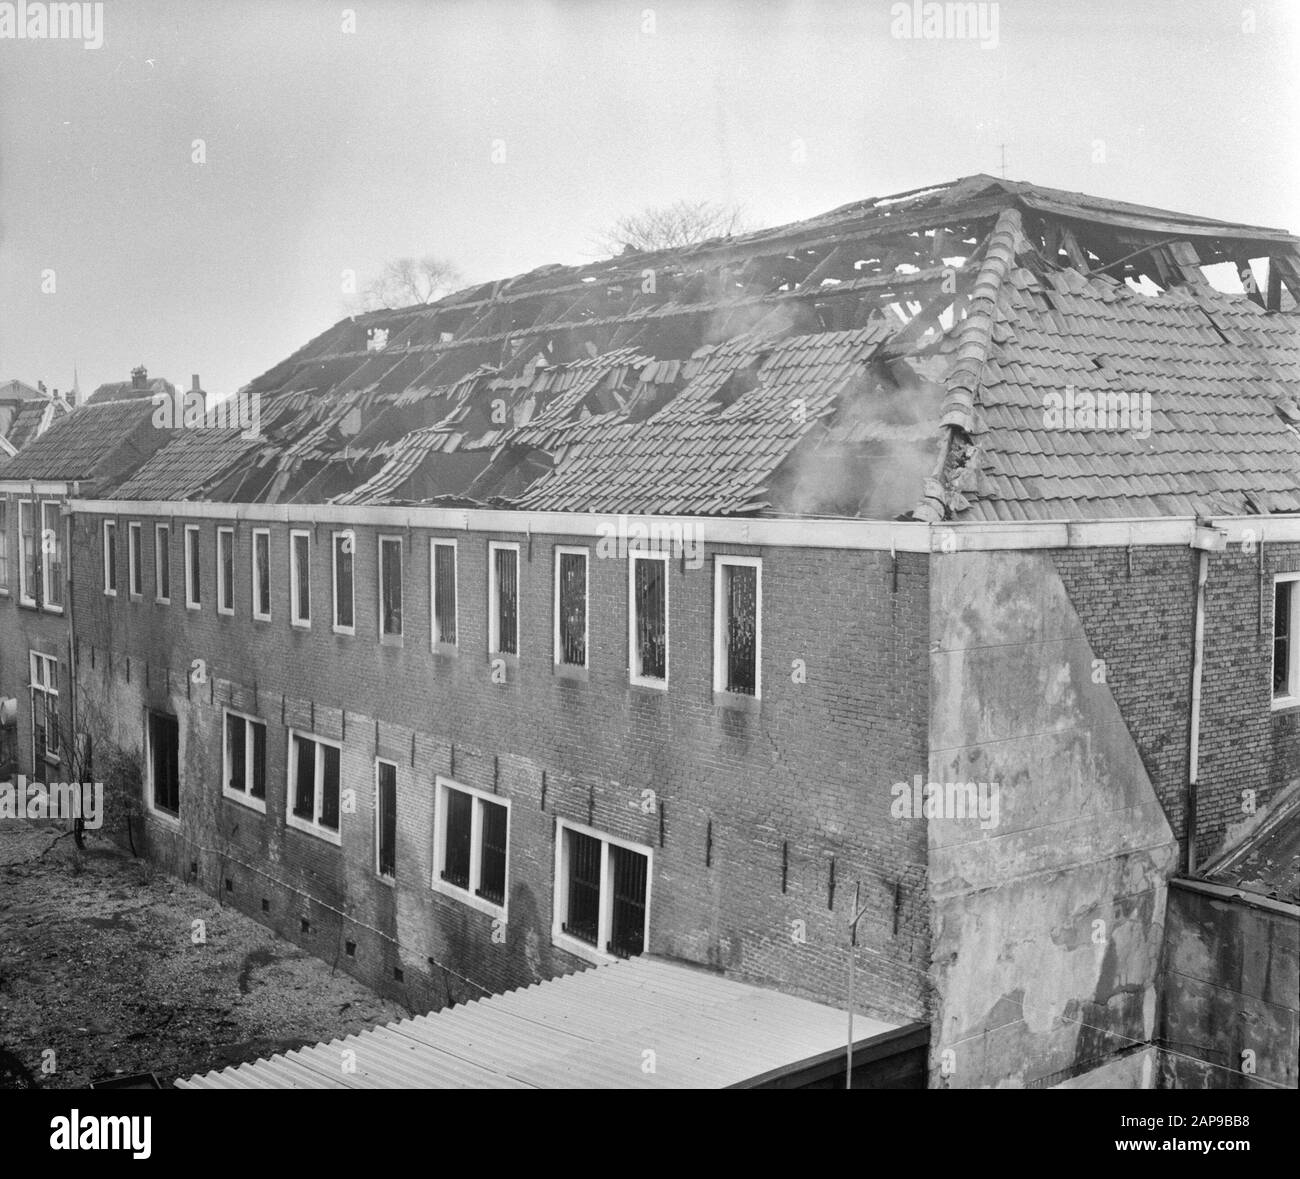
334	582
295	619
24	598
435	640
468	896
633	675
134	556
562	550
559	910
255	580
229	607
720	562
105	549
52	607
493	629
312	826
193	566
398	637
243	797
1292	698
159	550
389	880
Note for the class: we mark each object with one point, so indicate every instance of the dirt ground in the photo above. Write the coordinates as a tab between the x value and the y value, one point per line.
100	973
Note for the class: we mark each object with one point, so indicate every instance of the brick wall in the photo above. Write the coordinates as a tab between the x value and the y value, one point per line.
1143	625
801	781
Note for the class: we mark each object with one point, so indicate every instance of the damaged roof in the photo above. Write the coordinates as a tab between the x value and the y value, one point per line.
896	358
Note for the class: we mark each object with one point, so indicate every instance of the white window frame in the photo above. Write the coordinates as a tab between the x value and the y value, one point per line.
720	563
244	797
1292	697
467	896
46	579
434	638
562	550
256	580
386	879
193	567
295	534
226	535
560	909
634	676
151	788
134	556
493	627
110	587
26	593
162	548
41	681
335	537
5	515
388	538
313	826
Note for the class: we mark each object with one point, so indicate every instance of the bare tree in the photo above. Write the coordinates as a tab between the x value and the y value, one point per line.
89	755
408	282
664	227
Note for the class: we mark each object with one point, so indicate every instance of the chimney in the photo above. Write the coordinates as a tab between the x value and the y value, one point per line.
140	377
196	390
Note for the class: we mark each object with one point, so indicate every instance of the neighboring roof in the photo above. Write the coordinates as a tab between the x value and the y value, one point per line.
892	358
129	391
1268	862
590	1030
15	390
90	444
186	466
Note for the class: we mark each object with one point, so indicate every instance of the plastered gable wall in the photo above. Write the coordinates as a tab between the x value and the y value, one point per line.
796	788
1046	929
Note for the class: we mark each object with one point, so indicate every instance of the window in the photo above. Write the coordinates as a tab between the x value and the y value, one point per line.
1286	650
134	571
4	546
244	776
164	763
45	713
162	563
262	574
300	578
193	584
737	625
471	846
110	557
648	619
602	893
386	819
503	598
390	586
51	556
314	786
345	544
225	570
442	576
26	554
571	607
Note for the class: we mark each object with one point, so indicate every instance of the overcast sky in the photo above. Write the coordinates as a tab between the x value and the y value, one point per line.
328	150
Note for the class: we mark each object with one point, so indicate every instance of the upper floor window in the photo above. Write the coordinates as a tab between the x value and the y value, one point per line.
345	544
262	574
737	625
193	579
1286	640
300	578
110	557
390	586
648	619
162	563
134	560
4	545
386	820
503	598
571	607
314	785
51	556
26	553
225	570
442	577
45	712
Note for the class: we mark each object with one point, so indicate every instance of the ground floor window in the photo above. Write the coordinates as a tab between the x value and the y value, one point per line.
164	762
602	891
471	845
314	785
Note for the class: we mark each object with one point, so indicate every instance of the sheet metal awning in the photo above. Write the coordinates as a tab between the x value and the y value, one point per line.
602	1028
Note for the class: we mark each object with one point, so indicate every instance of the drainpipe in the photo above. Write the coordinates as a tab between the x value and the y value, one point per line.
1207	539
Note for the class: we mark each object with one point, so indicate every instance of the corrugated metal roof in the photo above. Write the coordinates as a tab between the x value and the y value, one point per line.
592	1030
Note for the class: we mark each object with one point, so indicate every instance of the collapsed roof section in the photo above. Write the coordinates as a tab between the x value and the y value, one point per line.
894	358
